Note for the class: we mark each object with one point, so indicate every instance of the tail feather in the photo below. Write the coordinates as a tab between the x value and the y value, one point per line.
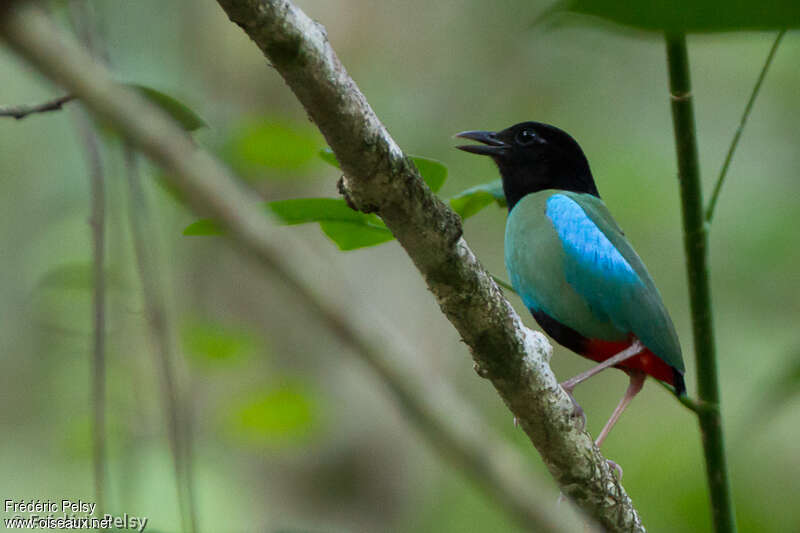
679	383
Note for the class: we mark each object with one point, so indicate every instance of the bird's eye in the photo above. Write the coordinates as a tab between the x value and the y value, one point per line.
527	137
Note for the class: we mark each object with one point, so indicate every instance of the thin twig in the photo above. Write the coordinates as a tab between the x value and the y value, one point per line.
21	111
157	317
98	358
685	400
507	286
742	121
695	239
98	224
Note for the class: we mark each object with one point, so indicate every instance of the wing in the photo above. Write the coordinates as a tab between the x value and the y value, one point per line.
601	265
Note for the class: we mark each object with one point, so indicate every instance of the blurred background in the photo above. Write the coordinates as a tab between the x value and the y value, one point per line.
290	431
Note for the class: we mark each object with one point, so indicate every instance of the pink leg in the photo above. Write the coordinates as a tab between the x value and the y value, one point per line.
570	384
627	353
635	385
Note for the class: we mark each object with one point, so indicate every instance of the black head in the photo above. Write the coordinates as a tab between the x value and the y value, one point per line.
533	157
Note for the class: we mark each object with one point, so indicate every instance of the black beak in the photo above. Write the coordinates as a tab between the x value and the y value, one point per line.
494	146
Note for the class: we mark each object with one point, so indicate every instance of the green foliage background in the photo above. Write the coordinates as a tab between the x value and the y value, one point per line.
290	431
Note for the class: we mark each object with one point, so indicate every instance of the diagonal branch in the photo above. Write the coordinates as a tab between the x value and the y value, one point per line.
378	178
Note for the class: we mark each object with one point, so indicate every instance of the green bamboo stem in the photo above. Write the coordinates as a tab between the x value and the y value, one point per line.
695	242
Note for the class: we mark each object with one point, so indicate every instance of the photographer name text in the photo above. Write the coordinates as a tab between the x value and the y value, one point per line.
41	514
49	506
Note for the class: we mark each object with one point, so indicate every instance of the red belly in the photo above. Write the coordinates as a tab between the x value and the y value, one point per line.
646	361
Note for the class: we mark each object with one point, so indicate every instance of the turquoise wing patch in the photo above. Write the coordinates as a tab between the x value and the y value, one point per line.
611	277
594	255
593	265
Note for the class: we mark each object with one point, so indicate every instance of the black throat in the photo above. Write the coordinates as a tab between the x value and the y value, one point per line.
521	178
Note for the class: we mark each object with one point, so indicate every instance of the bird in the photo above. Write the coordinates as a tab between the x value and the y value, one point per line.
572	265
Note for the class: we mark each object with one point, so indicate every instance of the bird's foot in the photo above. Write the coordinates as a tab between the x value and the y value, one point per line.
616	467
577	411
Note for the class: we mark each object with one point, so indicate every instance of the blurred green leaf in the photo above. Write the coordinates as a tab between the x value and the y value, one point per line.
269	145
77	276
202	227
62	298
470	201
281	414
213	342
468	205
61	312
692	15
351	236
351	229
433	172
304	210
329	157
348	228
180	112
